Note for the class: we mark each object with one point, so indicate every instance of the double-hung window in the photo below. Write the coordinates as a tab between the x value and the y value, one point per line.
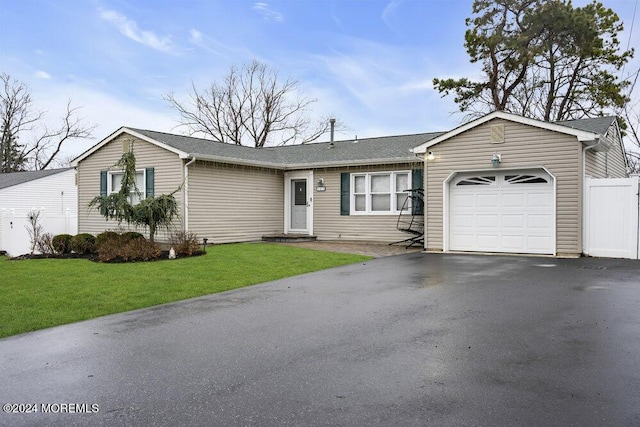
115	182
379	193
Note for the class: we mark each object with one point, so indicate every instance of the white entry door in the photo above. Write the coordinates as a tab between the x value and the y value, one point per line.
511	211
299	202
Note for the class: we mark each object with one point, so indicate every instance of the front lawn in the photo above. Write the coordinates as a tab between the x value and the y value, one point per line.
40	293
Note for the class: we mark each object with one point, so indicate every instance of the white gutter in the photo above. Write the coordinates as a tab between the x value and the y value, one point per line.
186	193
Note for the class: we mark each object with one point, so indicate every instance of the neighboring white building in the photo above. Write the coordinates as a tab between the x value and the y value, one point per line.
52	192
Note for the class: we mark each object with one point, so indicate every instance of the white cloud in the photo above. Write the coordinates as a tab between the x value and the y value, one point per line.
267	13
129	29
42	75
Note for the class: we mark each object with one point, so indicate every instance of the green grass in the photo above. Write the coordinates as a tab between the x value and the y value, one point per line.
40	293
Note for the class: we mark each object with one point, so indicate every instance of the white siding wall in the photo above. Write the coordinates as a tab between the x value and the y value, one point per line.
524	146
328	224
56	196
230	203
168	172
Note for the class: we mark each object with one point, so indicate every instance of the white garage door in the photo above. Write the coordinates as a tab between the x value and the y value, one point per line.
502	212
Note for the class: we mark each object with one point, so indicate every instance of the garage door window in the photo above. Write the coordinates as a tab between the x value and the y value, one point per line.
478	180
525	179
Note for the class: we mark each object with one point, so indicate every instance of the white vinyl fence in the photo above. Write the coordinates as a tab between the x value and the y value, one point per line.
612	227
14	225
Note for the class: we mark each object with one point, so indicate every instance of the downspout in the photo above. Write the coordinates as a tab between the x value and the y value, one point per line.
584	193
186	194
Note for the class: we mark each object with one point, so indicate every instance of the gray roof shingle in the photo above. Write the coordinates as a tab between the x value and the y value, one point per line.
367	150
388	149
15	178
599	125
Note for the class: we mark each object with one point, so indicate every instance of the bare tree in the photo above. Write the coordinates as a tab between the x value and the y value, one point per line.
252	106
27	143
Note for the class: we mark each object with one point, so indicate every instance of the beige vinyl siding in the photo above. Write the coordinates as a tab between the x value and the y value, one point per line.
611	164
524	146
230	203
328	224
168	172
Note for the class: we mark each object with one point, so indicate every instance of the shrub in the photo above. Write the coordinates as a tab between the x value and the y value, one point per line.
185	243
62	243
141	249
45	244
106	235
130	235
83	243
109	246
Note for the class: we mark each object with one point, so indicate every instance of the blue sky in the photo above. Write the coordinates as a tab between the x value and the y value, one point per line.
369	63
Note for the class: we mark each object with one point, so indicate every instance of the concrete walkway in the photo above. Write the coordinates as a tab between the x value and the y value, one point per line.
376	250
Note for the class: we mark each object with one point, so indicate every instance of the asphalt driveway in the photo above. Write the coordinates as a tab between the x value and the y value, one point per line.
416	339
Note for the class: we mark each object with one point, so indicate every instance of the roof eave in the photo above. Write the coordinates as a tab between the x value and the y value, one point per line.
297	166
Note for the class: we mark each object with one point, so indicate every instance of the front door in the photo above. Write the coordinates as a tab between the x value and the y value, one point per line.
299	204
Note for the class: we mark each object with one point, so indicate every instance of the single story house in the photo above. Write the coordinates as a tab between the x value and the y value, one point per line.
51	192
501	183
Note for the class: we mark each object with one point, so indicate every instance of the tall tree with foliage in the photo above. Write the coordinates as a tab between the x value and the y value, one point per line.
27	143
541	59
251	106
153	212
631	115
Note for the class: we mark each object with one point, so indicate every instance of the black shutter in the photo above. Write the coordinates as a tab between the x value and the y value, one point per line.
149	178
417	181
345	181
103	187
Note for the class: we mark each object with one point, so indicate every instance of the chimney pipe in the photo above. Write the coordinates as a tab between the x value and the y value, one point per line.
333	128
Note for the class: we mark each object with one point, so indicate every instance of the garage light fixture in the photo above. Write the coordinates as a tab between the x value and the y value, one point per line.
431	155
496	159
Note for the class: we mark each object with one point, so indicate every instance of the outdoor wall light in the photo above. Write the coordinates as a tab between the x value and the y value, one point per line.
320	182
320	187
431	155
496	159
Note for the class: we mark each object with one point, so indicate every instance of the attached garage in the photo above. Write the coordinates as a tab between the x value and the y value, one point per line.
505	211
509	184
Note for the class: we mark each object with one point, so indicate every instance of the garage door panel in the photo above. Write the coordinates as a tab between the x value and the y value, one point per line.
514	243
465	242
463	200
487	200
513	220
540	200
463	221
511	200
503	216
488	242
536	221
539	244
487	221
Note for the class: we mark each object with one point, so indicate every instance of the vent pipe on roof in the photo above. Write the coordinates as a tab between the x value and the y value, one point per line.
333	129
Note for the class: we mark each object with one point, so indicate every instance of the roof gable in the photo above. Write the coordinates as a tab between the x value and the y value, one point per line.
581	134
130	131
16	178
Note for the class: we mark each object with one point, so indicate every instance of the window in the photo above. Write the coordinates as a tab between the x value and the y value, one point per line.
478	180
115	182
379	192
525	179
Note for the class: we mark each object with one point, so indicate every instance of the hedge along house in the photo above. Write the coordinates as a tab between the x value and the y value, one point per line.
351	190
505	183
